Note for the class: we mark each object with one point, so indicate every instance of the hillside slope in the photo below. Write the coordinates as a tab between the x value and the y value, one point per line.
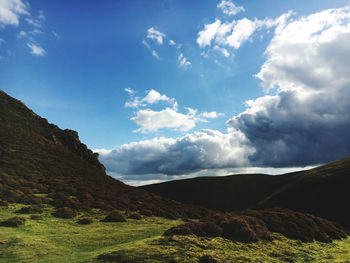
40	163
323	191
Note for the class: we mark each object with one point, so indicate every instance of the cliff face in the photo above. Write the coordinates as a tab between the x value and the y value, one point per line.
40	163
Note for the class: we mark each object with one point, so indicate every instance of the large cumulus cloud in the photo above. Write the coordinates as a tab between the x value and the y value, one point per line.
303	120
307	120
205	149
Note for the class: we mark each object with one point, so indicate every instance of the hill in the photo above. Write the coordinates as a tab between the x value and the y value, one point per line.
322	191
40	163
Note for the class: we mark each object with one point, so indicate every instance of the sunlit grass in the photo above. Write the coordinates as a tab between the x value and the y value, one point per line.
63	240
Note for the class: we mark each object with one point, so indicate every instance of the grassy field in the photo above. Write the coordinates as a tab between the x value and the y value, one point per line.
63	240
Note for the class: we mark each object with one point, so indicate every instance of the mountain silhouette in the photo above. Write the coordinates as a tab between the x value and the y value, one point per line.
322	191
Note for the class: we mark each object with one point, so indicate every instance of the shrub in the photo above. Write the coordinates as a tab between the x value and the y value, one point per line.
207	259
65	212
146	212
30	210
85	221
135	215
4	203
115	216
14	221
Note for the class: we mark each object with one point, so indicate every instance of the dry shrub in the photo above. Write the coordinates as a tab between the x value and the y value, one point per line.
254	225
146	212
135	215
115	216
297	225
207	259
85	221
30	210
4	203
65	212
14	221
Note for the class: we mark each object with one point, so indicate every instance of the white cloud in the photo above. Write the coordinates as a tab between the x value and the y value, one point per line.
208	34
130	91
36	22
211	115
11	10
307	120
168	118
172	42
152	121
156	35
56	35
146	44
155	54
152	97
36	50
183	62
229	8
222	50
235	33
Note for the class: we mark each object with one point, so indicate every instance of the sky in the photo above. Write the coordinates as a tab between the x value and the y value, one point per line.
172	89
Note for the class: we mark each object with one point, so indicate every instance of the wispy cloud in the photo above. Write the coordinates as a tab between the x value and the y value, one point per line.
36	50
56	35
229	8
183	62
156	35
152	97
155	54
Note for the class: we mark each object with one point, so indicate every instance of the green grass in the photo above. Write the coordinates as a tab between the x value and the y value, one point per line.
191	248
63	240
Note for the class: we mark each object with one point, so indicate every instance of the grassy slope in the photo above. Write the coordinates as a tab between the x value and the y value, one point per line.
188	249
63	240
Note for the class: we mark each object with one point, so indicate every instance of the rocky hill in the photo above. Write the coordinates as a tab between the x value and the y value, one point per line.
40	163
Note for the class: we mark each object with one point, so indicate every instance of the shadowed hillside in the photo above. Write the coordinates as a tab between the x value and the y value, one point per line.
322	191
40	163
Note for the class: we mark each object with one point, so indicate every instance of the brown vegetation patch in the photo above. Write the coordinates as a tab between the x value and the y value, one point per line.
115	216
13	221
30	210
85	221
254	225
65	212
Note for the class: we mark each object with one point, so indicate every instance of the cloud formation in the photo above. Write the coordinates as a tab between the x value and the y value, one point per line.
36	50
155	35
152	97
11	11
200	150
305	120
169	118
229	8
233	34
183	62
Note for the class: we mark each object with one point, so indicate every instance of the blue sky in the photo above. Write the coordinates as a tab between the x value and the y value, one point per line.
172	78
